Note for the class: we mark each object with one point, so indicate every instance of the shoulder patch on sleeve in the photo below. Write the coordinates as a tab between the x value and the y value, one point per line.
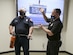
30	19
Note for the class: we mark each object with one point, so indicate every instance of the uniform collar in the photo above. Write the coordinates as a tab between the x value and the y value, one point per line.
56	19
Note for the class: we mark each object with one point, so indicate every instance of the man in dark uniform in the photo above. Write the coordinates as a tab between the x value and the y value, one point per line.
23	30
53	32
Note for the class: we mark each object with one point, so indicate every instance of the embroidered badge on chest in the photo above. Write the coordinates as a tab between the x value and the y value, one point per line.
51	24
26	20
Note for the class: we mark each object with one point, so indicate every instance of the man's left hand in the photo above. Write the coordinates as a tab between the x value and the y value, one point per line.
40	26
29	36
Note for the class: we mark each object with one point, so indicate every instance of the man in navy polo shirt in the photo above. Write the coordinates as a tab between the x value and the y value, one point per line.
23	30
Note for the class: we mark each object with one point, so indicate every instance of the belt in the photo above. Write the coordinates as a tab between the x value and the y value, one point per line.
19	34
54	40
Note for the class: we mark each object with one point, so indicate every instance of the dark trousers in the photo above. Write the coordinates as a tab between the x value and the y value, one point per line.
22	42
53	47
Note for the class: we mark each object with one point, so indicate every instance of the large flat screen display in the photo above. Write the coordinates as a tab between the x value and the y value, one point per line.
32	9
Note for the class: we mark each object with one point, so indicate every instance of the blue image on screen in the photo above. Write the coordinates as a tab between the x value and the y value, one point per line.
34	9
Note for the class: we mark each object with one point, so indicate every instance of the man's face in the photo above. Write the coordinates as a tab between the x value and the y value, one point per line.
53	12
22	12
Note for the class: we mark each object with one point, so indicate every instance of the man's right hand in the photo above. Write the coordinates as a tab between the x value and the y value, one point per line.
41	10
11	32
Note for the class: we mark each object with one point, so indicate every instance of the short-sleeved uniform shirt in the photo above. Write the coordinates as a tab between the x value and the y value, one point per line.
55	26
22	25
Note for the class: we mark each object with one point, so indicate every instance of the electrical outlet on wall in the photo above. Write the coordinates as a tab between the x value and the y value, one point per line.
43	45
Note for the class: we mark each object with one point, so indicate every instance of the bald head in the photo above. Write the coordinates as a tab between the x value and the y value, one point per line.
22	11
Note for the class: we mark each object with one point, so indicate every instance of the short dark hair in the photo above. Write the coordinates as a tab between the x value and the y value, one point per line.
58	11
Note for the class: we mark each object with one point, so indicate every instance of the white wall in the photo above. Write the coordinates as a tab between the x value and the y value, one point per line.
7	13
39	40
69	33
